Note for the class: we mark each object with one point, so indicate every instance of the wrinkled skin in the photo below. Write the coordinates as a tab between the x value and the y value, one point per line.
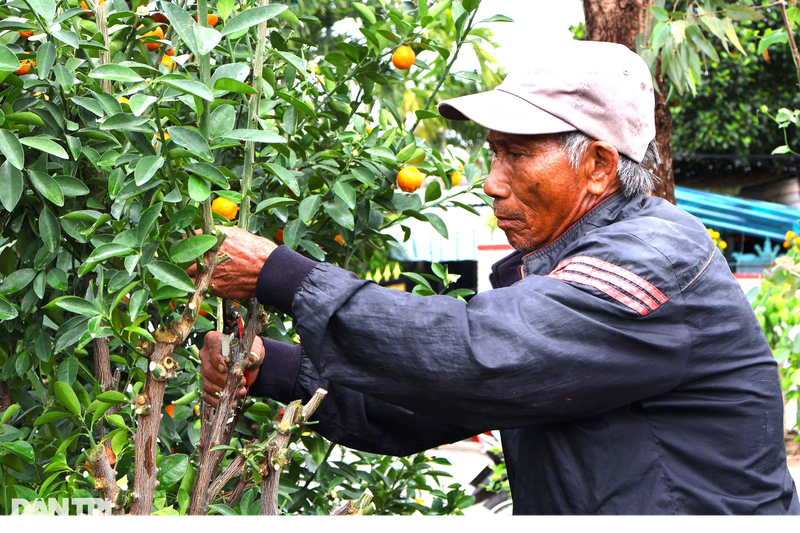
215	372
236	278
537	194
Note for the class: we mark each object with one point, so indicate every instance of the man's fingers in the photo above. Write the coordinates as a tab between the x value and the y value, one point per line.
213	401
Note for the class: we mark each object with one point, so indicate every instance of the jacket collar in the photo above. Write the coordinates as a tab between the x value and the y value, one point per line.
516	266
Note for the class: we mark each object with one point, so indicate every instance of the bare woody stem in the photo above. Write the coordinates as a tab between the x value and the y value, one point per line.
792	43
105	478
218	432
101	18
149	402
277	452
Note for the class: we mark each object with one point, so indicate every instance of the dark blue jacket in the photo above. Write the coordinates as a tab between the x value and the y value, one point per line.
622	363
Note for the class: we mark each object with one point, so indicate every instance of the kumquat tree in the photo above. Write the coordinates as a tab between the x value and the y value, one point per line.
125	129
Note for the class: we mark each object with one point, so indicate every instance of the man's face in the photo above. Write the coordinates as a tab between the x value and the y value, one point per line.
537	195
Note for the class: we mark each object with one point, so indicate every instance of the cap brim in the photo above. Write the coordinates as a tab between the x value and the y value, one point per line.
501	111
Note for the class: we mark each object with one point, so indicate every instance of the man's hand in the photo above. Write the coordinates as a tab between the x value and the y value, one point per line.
215	372
236	278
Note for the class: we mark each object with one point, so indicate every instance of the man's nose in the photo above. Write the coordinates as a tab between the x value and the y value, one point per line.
496	184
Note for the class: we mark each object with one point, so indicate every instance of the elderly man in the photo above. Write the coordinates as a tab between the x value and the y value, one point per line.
617	353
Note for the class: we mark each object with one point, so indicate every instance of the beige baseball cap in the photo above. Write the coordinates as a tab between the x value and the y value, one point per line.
601	89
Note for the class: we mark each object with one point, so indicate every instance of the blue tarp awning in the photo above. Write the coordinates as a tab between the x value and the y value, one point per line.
750	217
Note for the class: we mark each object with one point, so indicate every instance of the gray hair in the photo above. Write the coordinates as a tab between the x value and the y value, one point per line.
636	178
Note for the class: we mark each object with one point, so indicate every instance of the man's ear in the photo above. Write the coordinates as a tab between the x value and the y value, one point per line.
599	168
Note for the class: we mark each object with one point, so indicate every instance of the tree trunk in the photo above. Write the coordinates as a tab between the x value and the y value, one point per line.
620	21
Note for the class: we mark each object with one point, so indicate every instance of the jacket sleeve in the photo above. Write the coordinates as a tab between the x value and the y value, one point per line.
346	416
543	350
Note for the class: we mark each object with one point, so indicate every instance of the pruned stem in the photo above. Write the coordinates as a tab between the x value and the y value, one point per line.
278	454
219	432
149	402
105	478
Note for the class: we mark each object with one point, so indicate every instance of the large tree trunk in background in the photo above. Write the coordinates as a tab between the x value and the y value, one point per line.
620	21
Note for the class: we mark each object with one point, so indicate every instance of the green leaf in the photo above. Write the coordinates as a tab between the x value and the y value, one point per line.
140	102
77	305
433	191
285	176
114	72
659	35
781	150
739	12
293	60
183	25
90	104
293	232
12	149
497	18
702	43
365	176
7	311
67	397
21	448
45	145
207	38
25	117
171	468
779	36
313	249
730	33
123	121
309	207
113	396
49	417
190	249
198	189
49	230
9	412
146	168
346	193
251	17
660	14
147	220
137	303
233	86
274	202
422	114
8	60
171	275
222	509
255	136
192	141
367	13
195	88
107	251
208	172
67	37
45	59
438	224
225	8
47	187
44	8
222	120
340	213
67	370
11	186
117	421
19	279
